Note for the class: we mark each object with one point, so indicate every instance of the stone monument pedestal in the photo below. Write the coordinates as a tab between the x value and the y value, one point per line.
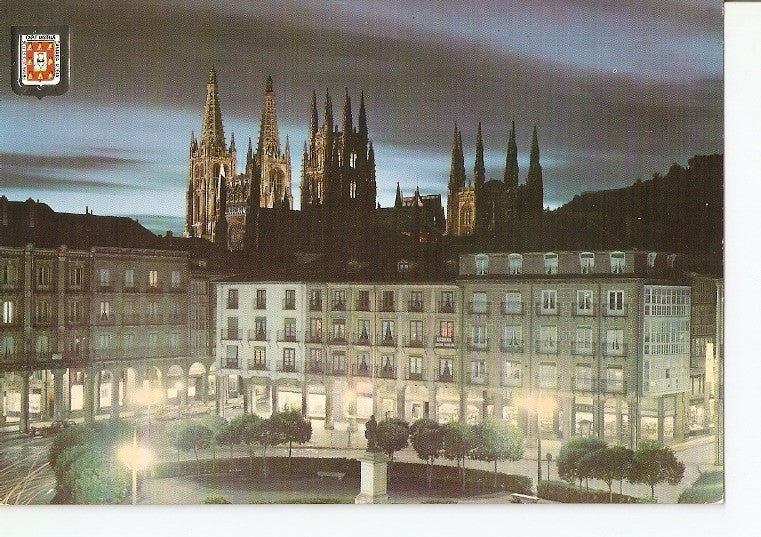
373	485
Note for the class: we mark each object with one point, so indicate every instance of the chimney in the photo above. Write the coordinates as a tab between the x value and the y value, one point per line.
168	234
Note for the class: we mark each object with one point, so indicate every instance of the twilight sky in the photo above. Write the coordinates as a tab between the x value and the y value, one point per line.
618	90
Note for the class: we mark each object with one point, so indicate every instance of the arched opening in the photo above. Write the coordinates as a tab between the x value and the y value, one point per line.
196	383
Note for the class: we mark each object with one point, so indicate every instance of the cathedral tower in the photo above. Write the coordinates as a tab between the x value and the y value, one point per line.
274	165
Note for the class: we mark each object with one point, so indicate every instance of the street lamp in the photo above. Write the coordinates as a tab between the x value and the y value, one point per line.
178	388
348	398
538	404
147	396
135	458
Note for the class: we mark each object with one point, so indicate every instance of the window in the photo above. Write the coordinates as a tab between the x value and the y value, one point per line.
363	330
9	312
339	362
289	329
339	329
128	341
587	262
315	300
387	301
549	303
515	264
153	311
479	303
584	303
75	277
260	358
6	275
43	275
232	328
548	376
387	332
260	329
129	278
387	364
153	279
614	342
174	313
42	311
512	304
175	279
583	378
174	341
232	299
478	370
671	260
617	262
415	364
615	302
363	364
290	299
446	331
548	339
416	332
614	379
315	360
651	259
105	311
583	343
261	299
512	373
550	263
105	341
289	360
42	344
339	300
482	265
447	302
416	301
75	311
445	369
479	335
6	345
315	329
363	301
105	277
403	266
512	337
231	357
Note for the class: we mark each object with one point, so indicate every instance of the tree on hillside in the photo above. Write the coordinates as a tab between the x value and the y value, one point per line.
392	435
427	440
653	464
292	427
459	443
497	440
572	452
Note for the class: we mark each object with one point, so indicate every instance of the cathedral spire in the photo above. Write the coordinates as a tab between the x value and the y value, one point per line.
212	133
362	116
232	142
313	120
456	181
347	120
534	179
534	160
461	155
479	171
269	139
398	200
193	142
328	119
249	153
511	161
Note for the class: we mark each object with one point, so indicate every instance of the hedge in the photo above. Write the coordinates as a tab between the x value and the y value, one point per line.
559	491
707	488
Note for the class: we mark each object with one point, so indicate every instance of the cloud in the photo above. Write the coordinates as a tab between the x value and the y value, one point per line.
20	180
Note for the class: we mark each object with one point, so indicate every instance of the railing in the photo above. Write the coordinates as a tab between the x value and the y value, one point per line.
81	320
288	335
176	318
232	304
613	386
156	318
315	305
362	339
258	365
582	311
387	306
337	339
154	288
229	363
478	345
361	370
131	319
583	384
106	319
445	307
286	367
386	341
582	348
508	380
338	370
479	308
314	338
546	347
511	308
130	288
105	287
415	306
258	335
386	372
316	368
511	345
338	306
617	349
176	289
608	312
415	375
289	304
478	380
362	305
444	342
261	305
44	321
541	310
445	376
416	341
229	335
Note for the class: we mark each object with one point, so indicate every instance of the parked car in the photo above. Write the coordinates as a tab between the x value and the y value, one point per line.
53	428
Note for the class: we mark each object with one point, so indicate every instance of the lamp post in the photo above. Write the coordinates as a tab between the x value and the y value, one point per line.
178	387
350	396
134	458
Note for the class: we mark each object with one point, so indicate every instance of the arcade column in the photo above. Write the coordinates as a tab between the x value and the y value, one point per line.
23	423
59	412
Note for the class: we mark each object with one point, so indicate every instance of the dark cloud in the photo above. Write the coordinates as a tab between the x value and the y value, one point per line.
21	180
85	163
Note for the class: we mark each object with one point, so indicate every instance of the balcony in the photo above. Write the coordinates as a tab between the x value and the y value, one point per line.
290	336
386	372
579	348
541	310
286	367
155	318
444	342
315	368
106	319
337	339
260	305
176	289
511	345
614	348
614	386
623	311
583	384
511	308
258	335
154	288
582	310
289	304
315	305
478	344
418	374
131	288
314	338
478	380
362	305
131	319
258	365
176	318
363	340
415	306
385	340
546	346
513	379
387	306
445	376
338	370
44	321
479	308
338	305
229	335
415	341
231	363
105	287
361	370
445	307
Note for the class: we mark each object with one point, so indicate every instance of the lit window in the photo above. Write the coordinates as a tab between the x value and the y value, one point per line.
550	263
403	266
105	311
482	265
617	262
651	259
587	262
9	312
515	264
153	278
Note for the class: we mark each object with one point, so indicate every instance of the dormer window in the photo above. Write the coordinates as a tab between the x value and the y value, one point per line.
403	266
671	260
617	262
651	259
550	263
482	265
587	262
515	264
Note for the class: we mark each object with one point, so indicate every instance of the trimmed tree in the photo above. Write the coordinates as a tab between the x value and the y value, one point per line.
392	435
194	436
427	440
266	433
229	435
621	464
459	443
97	478
293	427
215	423
653	464
248	429
497	440
571	454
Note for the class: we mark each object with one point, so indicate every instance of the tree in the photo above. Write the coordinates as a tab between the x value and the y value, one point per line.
248	428
572	452
497	440
96	478
215	423
459	443
620	461
427	440
193	436
263	432
392	435
229	435
292	427
653	464
601	464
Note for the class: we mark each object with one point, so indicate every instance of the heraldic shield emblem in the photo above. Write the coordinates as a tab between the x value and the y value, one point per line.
40	63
